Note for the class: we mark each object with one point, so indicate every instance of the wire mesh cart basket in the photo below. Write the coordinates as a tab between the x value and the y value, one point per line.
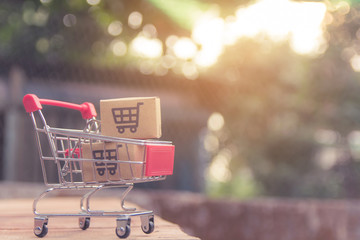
86	160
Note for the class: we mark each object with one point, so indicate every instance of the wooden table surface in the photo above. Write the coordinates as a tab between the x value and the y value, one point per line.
17	221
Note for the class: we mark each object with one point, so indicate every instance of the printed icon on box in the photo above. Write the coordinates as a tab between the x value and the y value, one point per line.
127	117
101	166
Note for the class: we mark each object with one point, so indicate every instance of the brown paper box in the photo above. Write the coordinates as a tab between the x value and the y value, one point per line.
100	172
131	117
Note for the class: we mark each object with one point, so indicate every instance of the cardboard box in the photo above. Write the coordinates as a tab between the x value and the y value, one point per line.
131	117
99	171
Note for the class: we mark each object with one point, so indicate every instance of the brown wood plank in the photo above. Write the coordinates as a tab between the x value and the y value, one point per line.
17	221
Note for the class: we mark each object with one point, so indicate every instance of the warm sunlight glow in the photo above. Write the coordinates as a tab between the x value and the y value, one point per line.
208	56
209	32
300	23
146	47
184	48
307	33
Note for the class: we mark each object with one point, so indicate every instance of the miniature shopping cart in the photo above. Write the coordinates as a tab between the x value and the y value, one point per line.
73	158
127	117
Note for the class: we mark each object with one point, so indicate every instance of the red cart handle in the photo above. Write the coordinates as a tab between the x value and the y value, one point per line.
33	103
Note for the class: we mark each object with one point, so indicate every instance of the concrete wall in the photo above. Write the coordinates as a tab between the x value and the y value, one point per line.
259	219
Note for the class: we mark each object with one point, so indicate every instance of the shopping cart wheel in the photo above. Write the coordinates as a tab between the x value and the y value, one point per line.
40	227
147	224
121	129
84	223
123	227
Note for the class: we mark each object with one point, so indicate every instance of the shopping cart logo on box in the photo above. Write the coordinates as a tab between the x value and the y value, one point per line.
110	154
127	117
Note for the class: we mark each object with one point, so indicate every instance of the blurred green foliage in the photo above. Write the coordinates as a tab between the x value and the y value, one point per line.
64	31
292	119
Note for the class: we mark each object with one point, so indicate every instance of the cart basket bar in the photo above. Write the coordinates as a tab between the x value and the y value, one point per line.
33	103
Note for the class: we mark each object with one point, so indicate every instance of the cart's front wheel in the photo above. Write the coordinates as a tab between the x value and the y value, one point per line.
40	226
41	231
123	228
84	223
149	227
123	232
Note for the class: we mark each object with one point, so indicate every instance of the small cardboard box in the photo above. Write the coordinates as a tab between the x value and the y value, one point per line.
99	171
131	117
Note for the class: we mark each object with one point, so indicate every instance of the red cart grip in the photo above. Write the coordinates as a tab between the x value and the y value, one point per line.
33	103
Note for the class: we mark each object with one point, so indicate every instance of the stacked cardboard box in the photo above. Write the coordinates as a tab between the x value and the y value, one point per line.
100	171
135	118
131	117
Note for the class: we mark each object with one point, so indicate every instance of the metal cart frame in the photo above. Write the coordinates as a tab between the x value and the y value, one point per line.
61	151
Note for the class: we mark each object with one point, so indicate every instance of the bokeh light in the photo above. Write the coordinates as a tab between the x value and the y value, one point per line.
168	61
211	142
149	30
135	20
355	62
146	47
115	28
69	20
171	40
184	48
42	45
34	17
216	122
93	2
190	71
118	47
219	168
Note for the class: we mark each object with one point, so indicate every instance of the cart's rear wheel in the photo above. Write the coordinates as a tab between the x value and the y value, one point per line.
123	228
41	231
84	223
